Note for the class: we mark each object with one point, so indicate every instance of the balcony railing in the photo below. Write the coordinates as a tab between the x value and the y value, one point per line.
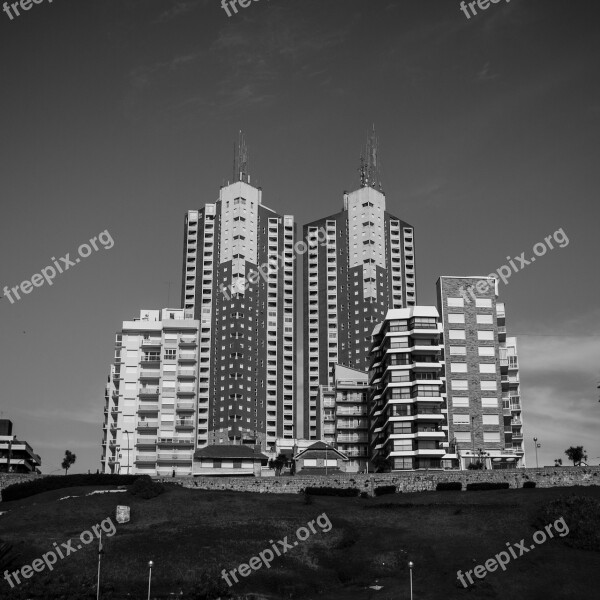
147	424
352	438
187	356
186	405
146	458
185	389
175	457
149	391
184	423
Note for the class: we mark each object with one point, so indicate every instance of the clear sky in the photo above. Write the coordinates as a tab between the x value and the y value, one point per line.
121	116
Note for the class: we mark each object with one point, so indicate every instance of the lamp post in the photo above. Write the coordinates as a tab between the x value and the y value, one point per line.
150	565
128	444
535	441
411	564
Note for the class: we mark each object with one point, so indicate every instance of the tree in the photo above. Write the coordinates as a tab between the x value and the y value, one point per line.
278	463
381	464
68	460
576	454
558	462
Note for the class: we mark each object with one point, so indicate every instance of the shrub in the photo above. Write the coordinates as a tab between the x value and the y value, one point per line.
364	494
17	491
529	484
385	489
329	491
145	488
449	486
581	514
487	485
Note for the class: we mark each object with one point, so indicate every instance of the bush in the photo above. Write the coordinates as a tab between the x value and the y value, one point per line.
448	486
487	485
385	489
329	491
145	488
529	484
581	514
364	494
17	491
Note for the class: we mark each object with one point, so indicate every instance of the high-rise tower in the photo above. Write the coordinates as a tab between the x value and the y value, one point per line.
365	268
238	281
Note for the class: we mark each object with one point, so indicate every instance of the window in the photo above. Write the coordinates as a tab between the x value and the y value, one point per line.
458	367
491	437
488	386
458	349
461	419
483	303
170	353
456	302
456	334
456	318
460	384
490	420
487	351
485	319
460	401
489	403
487	368
462	436
485	336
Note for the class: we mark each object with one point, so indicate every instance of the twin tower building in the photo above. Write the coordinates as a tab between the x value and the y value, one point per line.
385	383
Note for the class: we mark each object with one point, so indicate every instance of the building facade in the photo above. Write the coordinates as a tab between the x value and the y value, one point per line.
481	371
365	268
239	282
407	402
152	419
345	421
16	456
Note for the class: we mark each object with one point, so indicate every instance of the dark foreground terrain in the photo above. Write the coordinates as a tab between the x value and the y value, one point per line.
191	535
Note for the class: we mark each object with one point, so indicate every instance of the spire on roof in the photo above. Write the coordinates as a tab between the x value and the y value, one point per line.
369	163
240	160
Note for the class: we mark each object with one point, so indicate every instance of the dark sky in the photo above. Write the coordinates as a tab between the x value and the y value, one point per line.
120	115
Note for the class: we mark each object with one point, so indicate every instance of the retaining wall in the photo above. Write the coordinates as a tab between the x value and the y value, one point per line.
7	479
413	481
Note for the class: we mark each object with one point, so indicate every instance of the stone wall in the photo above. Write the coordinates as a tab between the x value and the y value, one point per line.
414	481
7	479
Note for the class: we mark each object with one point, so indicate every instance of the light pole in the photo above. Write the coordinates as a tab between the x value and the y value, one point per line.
150	565
535	441
411	564
128	444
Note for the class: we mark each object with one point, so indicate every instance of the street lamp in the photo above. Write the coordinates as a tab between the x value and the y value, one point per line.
150	565
411	564
535	440
128	444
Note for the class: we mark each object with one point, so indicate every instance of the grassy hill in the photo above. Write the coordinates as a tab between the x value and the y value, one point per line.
191	535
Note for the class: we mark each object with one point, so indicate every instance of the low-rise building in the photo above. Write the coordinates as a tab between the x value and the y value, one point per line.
320	459
220	459
16	456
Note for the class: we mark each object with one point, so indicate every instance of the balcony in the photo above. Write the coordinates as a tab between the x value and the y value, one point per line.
186	390
187	357
146	458
149	374
151	342
147	424
149	391
352	438
186	373
184	424
186	405
176	440
175	457
188	341
146	441
147	360
147	407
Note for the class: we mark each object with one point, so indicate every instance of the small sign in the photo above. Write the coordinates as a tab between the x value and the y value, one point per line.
123	514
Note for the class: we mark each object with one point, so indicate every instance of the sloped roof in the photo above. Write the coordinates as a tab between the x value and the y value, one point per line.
321	447
229	451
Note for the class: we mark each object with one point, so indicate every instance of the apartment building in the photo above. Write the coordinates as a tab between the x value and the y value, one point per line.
16	456
407	402
481	371
152	419
238	281
365	268
345	423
